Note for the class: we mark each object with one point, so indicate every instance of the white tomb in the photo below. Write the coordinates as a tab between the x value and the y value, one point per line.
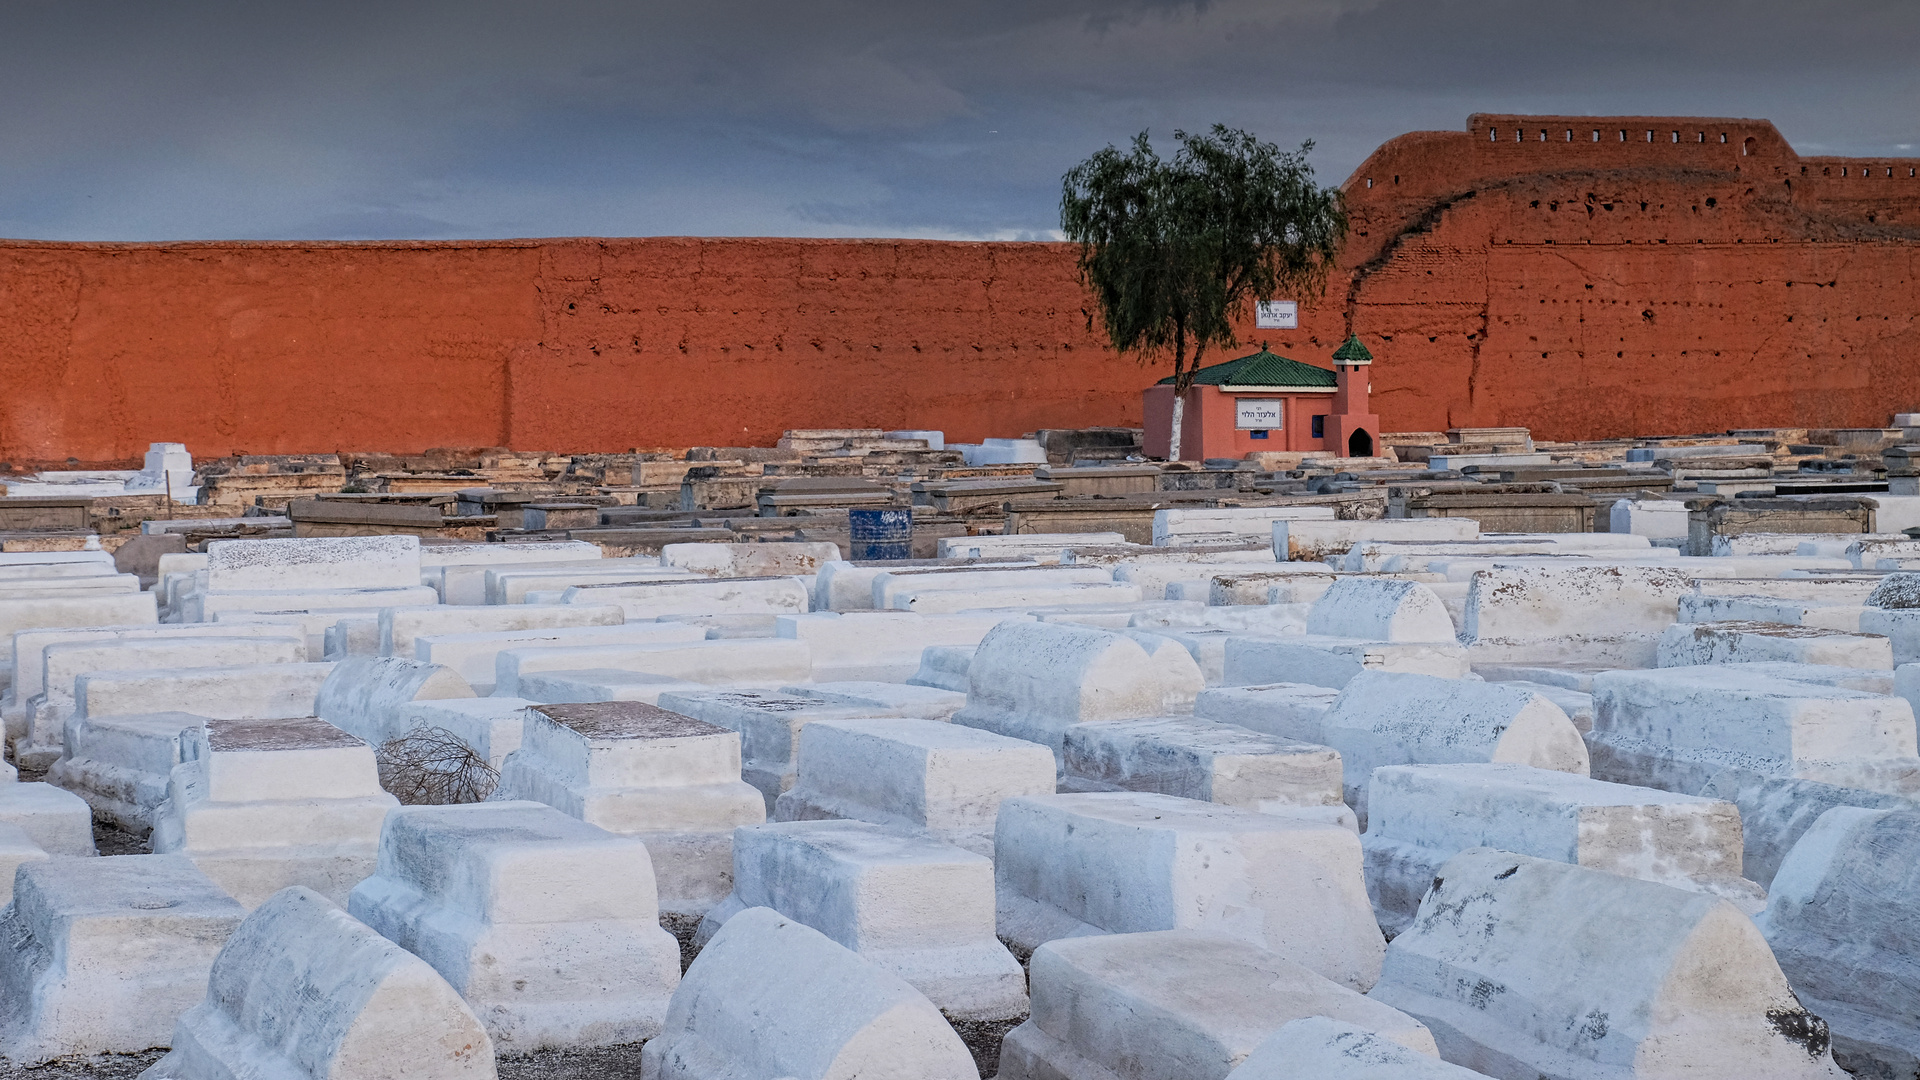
1604	613
1033	680
944	780
104	953
547	926
260	805
1173	1005
1208	761
362	694
1419	816
1287	710
303	991
772	997
1383	718
1567	973
1128	862
1334	661
1380	609
769	725
121	764
1322	1048
1842	919
1738	642
669	780
917	907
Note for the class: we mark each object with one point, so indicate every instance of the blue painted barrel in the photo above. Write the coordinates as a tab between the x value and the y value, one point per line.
880	534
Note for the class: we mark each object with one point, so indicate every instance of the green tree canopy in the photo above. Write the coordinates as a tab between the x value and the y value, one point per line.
1173	250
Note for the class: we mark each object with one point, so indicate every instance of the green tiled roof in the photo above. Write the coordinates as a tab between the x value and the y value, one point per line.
1263	369
1352	352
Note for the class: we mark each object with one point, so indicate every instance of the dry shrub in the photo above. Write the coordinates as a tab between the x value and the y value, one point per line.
431	766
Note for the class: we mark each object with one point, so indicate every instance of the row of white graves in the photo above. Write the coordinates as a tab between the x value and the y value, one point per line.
1379	799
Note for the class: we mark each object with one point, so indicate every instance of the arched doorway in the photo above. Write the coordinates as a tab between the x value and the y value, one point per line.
1360	444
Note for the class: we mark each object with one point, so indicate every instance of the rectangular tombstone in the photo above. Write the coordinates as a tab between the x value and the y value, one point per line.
631	768
749	560
511	584
341	562
1597	614
474	655
598	684
65	662
1419	816
1015	597
1208	761
1334	662
762	662
464	584
1285	710
1227	525
909	904
251	692
889	585
882	646
1713	607
105	953
769	724
1689	644
888	698
698	596
547	926
57	821
400	626
1173	1005
1130	862
121	764
1313	541
260	805
926	775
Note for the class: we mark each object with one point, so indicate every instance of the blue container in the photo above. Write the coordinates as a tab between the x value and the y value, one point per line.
880	534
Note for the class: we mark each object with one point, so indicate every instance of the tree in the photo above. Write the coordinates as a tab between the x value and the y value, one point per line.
1174	250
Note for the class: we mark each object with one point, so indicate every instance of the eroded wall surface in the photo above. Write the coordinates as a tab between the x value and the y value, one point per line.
1585	277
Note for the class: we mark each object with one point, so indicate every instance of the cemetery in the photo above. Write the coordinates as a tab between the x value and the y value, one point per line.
825	761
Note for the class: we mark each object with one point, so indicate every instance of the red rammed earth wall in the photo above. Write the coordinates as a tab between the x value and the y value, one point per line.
1492	283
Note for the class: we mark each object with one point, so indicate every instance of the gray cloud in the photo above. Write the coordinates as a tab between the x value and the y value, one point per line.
199	119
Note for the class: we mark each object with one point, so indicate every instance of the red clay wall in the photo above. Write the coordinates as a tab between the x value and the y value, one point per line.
1580	288
564	344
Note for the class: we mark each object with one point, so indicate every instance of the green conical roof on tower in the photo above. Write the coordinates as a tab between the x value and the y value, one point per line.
1352	352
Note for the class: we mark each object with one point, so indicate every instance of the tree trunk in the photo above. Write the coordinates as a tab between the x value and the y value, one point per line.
1179	407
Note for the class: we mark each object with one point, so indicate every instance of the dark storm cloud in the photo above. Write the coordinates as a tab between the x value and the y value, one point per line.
199	119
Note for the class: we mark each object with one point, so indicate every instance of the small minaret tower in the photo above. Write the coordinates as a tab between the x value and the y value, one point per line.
1352	430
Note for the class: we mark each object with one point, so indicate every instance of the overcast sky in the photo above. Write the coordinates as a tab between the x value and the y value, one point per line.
352	119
